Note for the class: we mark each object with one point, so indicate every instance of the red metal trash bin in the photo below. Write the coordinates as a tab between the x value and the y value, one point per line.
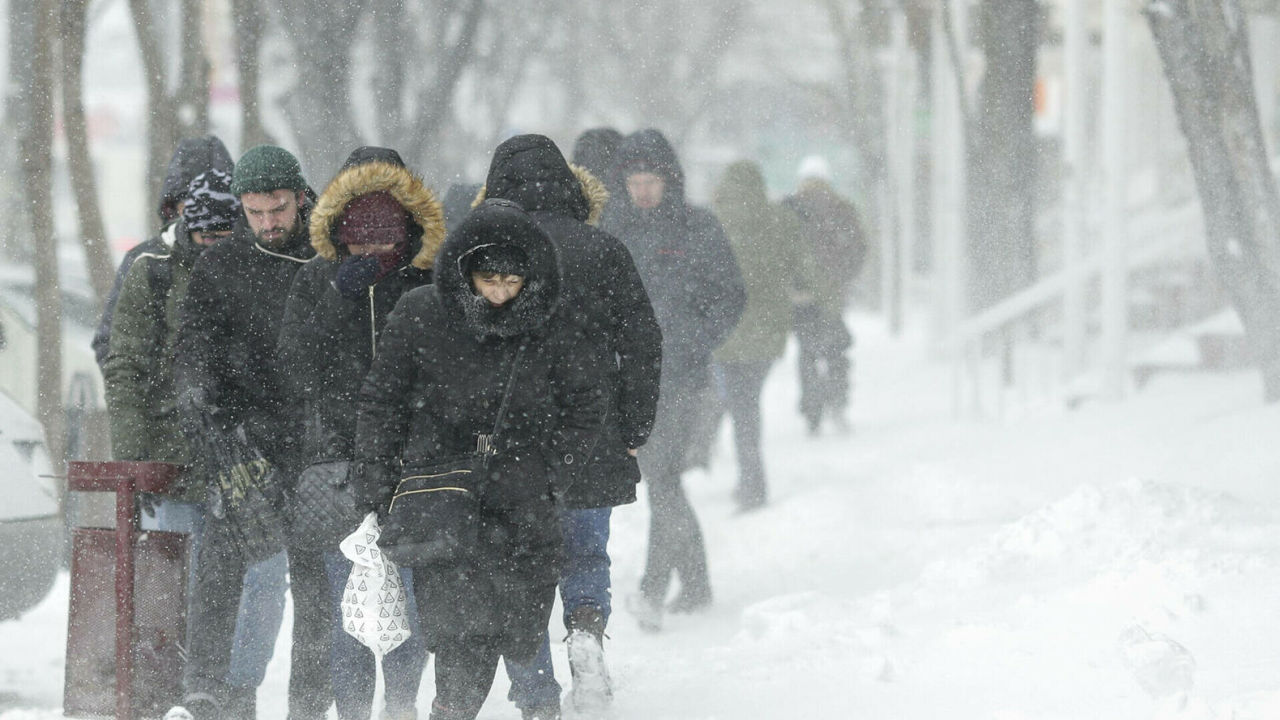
128	586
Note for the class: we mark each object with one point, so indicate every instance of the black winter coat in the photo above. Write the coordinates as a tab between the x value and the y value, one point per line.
443	364
230	325
329	341
602	281
684	258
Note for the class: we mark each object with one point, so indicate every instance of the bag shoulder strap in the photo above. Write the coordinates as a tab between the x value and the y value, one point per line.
506	395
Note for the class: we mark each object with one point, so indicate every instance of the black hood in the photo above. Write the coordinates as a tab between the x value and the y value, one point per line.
192	157
498	222
649	151
531	171
597	151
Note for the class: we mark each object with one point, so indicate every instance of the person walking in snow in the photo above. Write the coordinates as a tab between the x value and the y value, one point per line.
833	234
376	229
766	241
138	375
596	151
490	357
231	392
192	157
695	286
600	279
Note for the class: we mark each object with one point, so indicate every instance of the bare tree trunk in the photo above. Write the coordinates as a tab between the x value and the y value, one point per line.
1204	47
1002	163
193	79
439	100
93	236
248	23
161	136
37	151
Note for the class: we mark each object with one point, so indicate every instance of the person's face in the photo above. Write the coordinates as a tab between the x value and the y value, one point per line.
272	216
646	189
209	237
497	288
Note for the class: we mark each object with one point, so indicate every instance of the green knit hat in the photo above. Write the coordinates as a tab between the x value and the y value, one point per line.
266	168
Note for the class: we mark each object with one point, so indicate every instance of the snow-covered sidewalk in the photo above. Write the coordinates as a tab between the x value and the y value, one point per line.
1117	561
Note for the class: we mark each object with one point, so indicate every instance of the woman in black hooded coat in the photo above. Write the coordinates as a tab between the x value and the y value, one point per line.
442	369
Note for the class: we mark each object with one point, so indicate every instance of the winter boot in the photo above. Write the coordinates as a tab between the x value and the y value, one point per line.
690	600
196	706
647	611
241	704
592	691
545	712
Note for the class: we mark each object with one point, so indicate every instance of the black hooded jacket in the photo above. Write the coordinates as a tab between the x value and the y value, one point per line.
602	280
192	157
230	323
328	341
685	260
443	364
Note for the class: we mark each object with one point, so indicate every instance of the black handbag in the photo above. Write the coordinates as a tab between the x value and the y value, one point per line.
245	493
434	514
322	507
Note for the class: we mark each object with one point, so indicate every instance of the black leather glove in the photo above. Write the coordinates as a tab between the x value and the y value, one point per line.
372	484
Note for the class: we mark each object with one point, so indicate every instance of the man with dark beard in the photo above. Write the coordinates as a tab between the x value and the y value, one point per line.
229	384
696	289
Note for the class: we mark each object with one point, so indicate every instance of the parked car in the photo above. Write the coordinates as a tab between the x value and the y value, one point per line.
31	528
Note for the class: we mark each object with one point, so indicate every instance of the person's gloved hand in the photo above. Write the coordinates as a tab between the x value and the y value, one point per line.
355	275
147	503
371	484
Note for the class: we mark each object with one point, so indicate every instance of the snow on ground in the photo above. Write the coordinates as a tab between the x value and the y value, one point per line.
1117	561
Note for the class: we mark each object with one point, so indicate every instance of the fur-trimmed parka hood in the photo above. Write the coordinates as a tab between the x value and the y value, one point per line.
370	170
498	222
531	171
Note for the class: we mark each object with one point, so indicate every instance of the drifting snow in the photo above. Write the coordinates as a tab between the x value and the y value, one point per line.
1118	561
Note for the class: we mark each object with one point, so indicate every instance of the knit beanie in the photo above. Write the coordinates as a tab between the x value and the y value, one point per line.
267	168
500	259
372	218
210	206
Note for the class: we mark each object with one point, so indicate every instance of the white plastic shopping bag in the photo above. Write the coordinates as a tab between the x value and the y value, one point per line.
374	604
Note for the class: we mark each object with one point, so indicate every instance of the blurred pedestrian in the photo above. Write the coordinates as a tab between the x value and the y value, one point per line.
766	241
695	287
596	151
834	235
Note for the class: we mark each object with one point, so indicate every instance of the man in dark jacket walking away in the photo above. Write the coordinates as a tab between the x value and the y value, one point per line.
230	386
145	426
697	292
833	235
376	229
601	281
192	157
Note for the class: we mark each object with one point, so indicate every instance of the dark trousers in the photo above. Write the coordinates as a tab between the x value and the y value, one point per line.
675	538
464	675
824	342
211	623
742	385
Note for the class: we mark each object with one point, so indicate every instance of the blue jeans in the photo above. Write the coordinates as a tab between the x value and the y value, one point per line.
354	666
584	580
261	603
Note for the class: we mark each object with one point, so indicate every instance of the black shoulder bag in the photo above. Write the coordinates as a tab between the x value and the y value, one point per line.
434	515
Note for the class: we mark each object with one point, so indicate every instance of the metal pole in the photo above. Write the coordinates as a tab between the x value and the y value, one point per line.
126	531
1115	321
1074	135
